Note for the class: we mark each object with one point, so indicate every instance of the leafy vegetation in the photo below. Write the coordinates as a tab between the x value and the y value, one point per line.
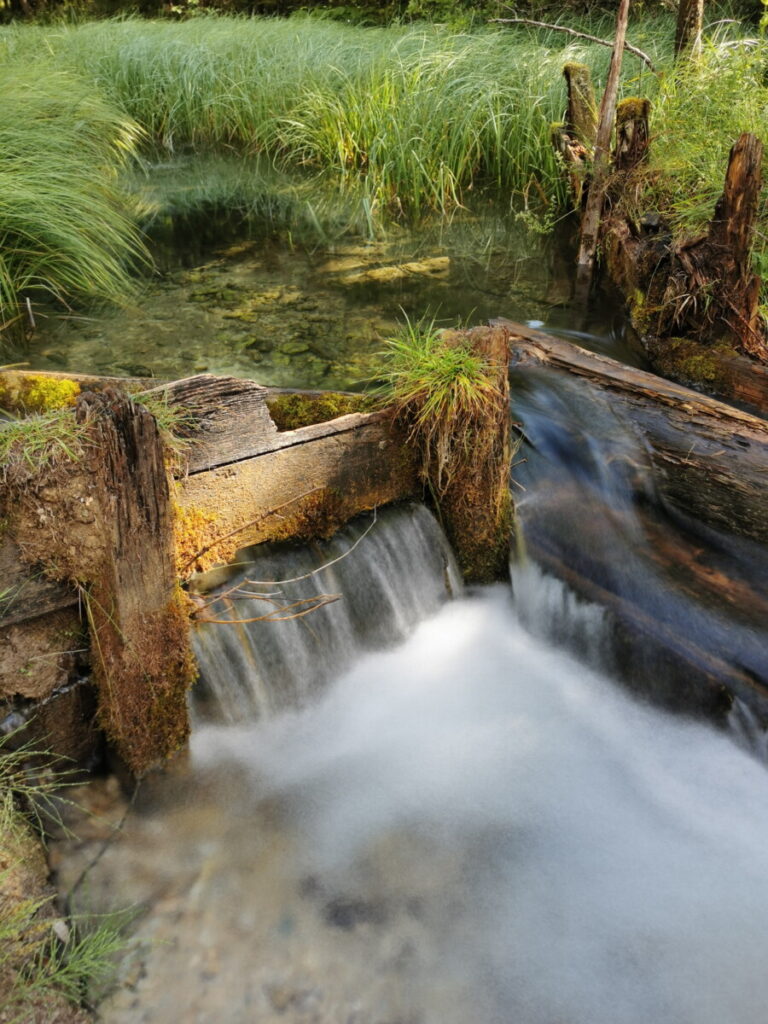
701	109
33	443
65	230
43	959
439	387
420	115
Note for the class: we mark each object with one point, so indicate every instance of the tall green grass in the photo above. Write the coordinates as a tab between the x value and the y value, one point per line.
65	228
421	116
700	111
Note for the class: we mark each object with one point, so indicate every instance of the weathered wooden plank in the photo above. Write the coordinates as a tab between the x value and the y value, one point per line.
226	419
306	489
346	466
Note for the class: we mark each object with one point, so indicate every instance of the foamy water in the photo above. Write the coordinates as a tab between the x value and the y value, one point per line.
574	856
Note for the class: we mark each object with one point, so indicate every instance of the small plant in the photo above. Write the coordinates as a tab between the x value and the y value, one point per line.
44	960
443	390
36	442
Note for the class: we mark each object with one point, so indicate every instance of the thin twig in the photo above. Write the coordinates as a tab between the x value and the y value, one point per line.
321	600
322	568
580	35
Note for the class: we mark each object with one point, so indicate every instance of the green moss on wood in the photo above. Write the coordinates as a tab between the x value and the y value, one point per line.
295	410
692	363
632	108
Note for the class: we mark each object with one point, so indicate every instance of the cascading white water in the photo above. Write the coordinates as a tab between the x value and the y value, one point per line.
390	570
464	822
506	837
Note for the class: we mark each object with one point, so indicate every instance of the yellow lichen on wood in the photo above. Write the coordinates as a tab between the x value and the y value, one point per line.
36	393
197	537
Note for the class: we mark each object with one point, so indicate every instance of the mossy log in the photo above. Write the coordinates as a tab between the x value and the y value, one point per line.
710	459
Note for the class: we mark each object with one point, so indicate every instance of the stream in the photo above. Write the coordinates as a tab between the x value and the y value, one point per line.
421	805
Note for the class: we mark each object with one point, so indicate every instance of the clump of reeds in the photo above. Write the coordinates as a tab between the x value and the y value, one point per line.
442	390
65	228
701	109
45	961
420	115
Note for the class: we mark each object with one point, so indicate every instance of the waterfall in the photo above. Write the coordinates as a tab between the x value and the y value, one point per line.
682	606
391	569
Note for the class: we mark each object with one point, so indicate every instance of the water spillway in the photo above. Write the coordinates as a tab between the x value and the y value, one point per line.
409	808
388	570
686	603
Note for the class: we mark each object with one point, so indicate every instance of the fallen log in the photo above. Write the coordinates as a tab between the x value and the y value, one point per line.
710	459
649	500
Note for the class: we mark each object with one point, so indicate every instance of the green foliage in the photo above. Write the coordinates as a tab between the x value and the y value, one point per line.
33	443
417	117
65	230
36	962
439	387
701	109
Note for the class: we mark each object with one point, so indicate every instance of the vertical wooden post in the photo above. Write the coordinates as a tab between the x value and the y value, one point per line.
581	118
591	220
575	139
690	22
475	506
141	658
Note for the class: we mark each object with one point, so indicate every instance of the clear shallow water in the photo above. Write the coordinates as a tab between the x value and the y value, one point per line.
292	296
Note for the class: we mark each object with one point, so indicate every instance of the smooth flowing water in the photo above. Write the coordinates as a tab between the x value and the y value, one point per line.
424	806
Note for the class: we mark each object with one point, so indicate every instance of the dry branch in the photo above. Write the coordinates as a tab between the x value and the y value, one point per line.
579	35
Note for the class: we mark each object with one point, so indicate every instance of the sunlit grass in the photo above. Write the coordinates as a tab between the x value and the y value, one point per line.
700	111
65	229
40	966
440	388
421	116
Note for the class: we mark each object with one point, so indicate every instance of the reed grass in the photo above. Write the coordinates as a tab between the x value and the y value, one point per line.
441	390
65	228
39	966
700	111
420	115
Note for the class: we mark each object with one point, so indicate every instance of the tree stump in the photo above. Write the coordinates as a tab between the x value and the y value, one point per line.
711	293
631	133
475	507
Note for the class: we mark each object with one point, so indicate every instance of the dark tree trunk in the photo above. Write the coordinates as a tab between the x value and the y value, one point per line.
690	21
